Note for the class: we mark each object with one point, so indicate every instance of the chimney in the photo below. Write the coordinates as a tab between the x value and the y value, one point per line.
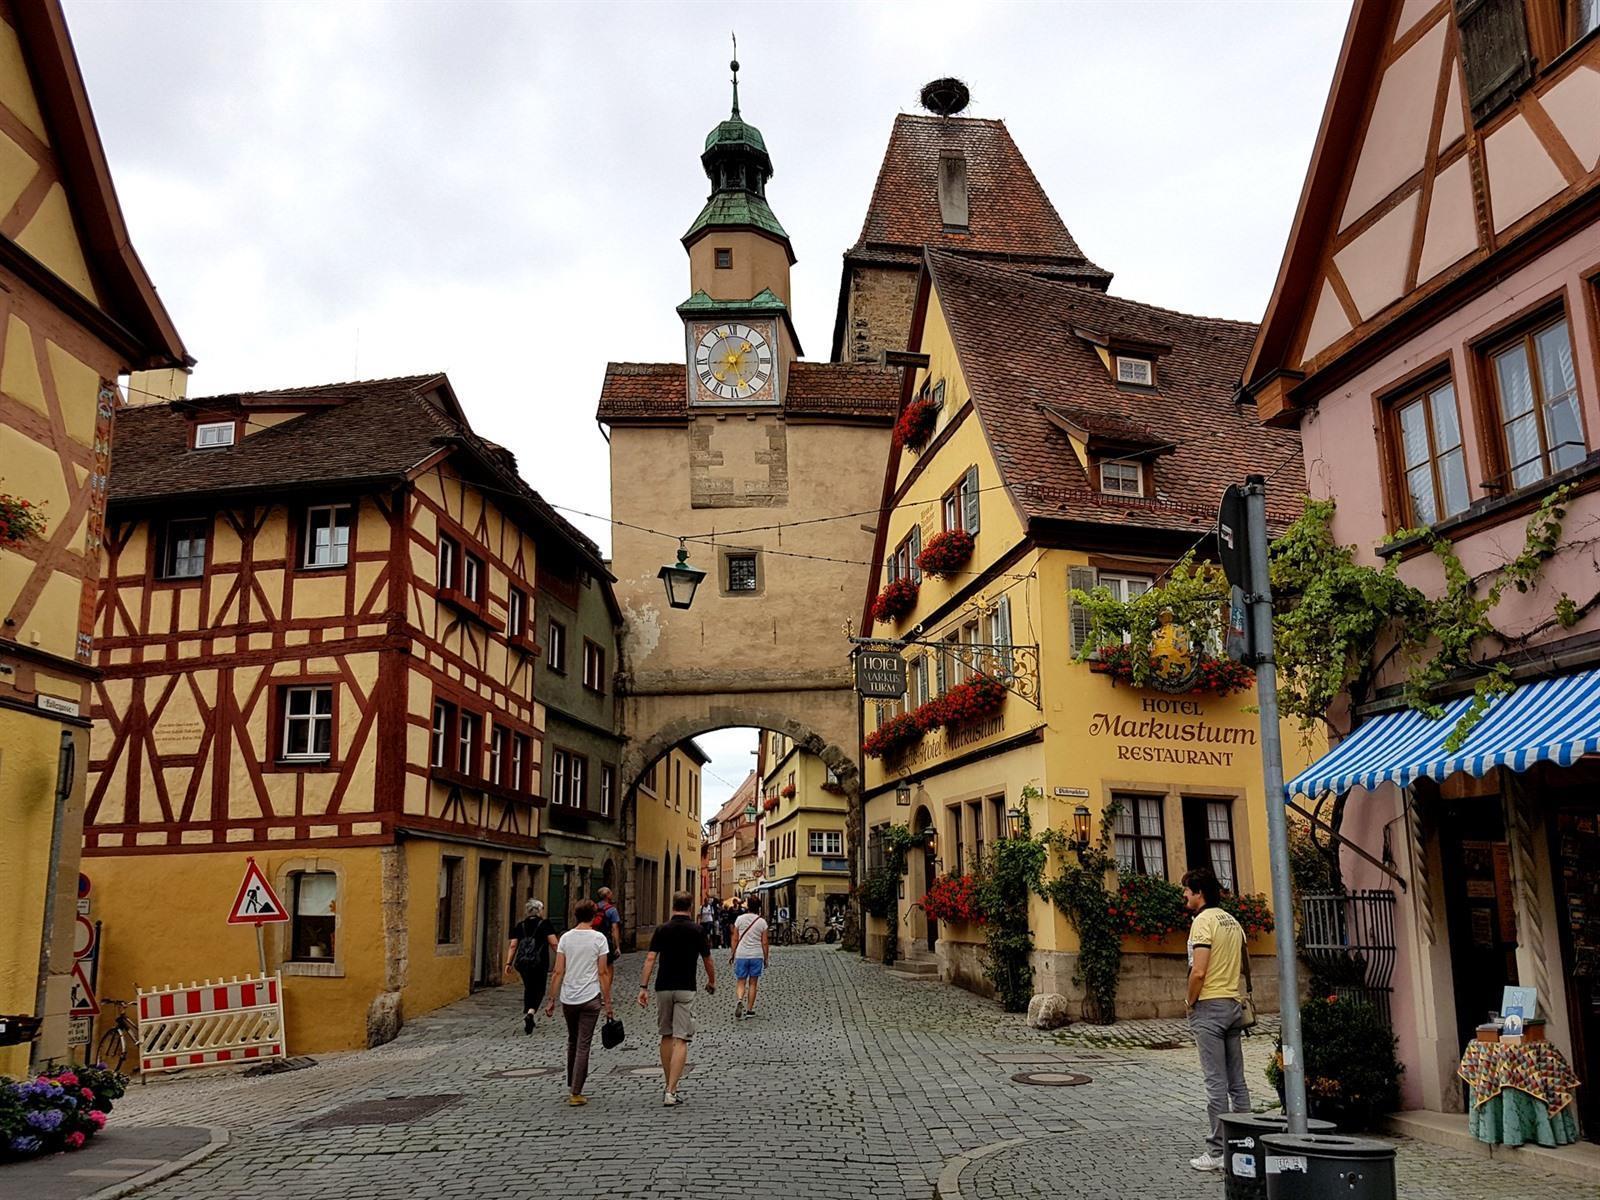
953	189
158	386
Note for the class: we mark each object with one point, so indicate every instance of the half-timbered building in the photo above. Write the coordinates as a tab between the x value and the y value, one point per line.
316	634
76	311
1434	335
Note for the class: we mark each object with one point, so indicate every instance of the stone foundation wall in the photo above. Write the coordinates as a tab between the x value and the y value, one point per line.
962	963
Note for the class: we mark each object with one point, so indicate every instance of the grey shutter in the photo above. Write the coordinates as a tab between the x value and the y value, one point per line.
916	549
939	668
970	516
1080	579
1000	635
1494	52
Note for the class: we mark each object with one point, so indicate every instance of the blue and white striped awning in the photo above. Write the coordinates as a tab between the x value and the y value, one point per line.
1551	720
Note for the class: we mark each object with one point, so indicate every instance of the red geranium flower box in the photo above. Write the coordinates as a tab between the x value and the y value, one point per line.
946	553
916	424
894	737
977	698
895	601
954	899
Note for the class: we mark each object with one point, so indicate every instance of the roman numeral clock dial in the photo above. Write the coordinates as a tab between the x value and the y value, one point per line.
732	362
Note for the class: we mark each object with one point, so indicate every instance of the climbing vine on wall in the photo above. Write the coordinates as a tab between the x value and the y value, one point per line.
1013	873
1080	891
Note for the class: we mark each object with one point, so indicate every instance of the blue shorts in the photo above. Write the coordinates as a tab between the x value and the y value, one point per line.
748	968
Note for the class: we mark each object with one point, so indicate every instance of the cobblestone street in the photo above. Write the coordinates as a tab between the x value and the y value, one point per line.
844	1086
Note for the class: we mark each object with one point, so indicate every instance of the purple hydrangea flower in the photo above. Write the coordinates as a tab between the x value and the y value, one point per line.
47	1120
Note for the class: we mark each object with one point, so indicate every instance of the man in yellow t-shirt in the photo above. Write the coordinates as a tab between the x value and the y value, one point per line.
1216	1011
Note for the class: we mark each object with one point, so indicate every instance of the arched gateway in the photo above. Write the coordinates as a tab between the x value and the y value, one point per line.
771	470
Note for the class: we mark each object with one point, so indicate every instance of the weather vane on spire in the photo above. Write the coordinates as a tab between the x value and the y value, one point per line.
734	65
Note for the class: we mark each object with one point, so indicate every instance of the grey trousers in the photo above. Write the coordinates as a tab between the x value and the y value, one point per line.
1215	1024
581	1019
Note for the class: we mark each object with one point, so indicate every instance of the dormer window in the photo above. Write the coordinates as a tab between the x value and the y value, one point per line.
1121	478
213	435
1140	372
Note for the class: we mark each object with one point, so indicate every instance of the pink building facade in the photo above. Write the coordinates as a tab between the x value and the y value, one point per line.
1435	336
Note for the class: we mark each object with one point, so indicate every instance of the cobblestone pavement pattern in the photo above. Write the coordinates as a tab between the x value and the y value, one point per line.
849	1084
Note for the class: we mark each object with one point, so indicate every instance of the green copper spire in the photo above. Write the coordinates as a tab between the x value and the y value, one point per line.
736	162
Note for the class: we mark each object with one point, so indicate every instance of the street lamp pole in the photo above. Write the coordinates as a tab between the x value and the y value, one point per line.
1260	603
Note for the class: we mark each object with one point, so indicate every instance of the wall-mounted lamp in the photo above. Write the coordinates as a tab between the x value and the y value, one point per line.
1013	822
1080	828
902	793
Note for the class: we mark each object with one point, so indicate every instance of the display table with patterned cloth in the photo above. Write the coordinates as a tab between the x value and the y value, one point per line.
1521	1092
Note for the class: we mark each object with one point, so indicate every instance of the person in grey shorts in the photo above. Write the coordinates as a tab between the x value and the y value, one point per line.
679	947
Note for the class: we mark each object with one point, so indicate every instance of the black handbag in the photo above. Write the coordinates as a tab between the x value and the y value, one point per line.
611	1033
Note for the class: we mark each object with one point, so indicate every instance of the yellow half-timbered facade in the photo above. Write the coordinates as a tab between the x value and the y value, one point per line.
76	312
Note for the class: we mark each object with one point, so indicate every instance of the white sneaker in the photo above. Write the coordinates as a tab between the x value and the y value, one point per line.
670	1100
1207	1162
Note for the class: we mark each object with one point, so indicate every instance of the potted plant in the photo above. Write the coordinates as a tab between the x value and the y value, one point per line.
1352	1073
946	553
59	1110
916	424
897	599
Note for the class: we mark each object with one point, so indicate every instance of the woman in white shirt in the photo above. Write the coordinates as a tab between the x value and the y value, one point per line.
582	982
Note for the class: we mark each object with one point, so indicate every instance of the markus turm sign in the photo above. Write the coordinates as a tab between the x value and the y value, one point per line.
880	674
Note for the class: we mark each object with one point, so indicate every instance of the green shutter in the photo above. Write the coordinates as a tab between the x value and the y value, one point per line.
1000	635
1079	579
970	516
916	549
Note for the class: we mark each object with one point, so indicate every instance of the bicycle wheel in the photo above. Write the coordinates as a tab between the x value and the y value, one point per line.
112	1048
813	935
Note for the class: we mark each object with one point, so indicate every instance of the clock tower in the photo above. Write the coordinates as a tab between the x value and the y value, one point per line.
738	335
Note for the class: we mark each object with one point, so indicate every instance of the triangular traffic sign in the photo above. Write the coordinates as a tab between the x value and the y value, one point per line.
83	1004
256	903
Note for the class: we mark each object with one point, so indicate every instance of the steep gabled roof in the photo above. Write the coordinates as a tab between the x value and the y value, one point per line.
744	794
652	392
1009	215
130	315
1021	344
367	433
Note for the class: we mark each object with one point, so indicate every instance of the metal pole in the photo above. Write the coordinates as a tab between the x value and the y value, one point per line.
859	858
261	947
65	763
1260	601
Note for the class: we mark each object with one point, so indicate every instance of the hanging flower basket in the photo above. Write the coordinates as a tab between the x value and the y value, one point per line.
977	698
20	520
1218	676
895	601
894	737
946	553
916	424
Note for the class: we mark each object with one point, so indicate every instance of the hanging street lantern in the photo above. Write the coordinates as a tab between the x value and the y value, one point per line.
681	579
1080	828
902	793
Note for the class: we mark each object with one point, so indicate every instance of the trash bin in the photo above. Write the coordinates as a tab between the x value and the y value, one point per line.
1243	1170
1321	1166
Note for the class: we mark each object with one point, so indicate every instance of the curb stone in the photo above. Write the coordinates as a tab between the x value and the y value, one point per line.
219	1139
949	1185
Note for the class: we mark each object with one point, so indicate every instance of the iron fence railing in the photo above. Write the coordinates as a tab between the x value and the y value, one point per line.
1348	938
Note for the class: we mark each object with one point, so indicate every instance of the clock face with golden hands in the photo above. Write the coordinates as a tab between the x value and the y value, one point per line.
733	362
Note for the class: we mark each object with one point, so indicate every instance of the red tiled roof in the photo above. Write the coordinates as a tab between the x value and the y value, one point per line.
1015	335
657	391
1009	214
370	432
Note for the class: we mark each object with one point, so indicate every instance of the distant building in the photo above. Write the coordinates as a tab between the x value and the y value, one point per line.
737	840
76	312
807	869
666	844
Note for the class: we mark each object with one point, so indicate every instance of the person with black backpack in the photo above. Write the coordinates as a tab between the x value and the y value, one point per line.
528	953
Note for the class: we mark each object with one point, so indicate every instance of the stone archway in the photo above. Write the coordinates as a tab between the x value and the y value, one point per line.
654	732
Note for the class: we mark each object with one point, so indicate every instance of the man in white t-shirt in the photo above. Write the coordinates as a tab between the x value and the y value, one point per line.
751	949
582	982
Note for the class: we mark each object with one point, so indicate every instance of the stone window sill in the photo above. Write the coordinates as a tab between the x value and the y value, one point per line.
320	970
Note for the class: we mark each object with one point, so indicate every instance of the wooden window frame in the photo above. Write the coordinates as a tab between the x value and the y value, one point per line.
519	624
594	653
279	715
467	757
447	565
754	559
162	550
441	733
302	528
449	924
722	258
1420	388
577	781
560	777
232	422
608	789
293	942
1137	838
1521	328
965	493
555	649
1116	371
499	748
1135	466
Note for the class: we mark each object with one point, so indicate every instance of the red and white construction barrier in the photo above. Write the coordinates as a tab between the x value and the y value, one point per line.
211	1024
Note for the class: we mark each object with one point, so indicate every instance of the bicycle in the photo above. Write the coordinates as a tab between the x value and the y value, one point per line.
782	933
115	1043
811	935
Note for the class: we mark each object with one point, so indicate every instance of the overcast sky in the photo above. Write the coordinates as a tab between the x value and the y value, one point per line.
327	191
